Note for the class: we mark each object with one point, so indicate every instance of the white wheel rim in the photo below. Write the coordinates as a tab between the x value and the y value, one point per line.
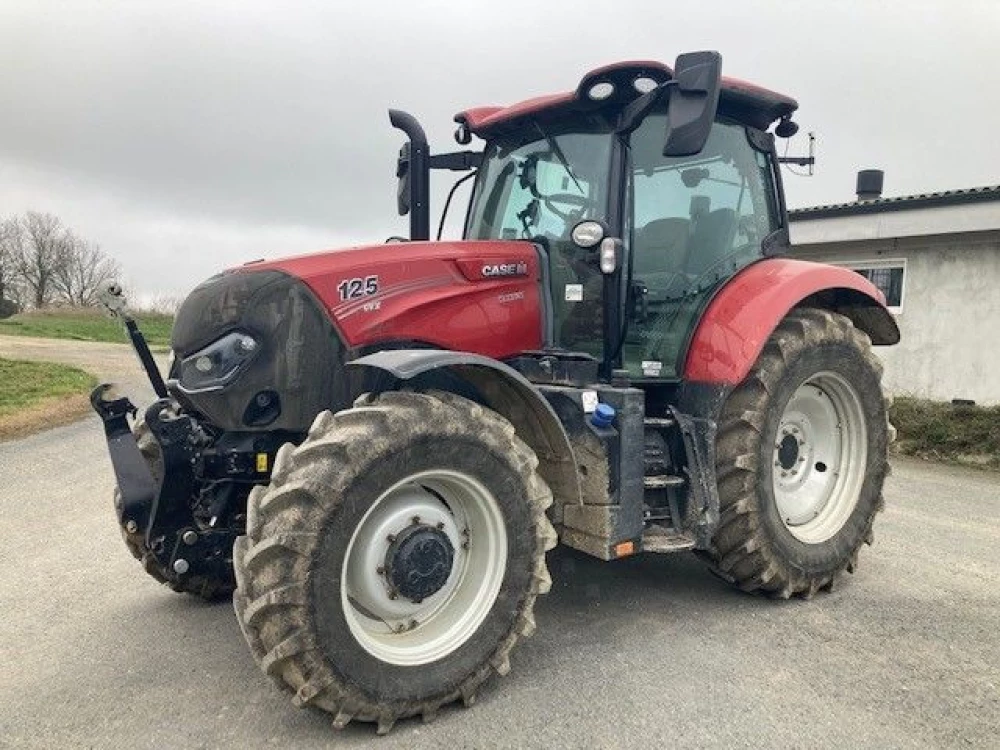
820	456
401	631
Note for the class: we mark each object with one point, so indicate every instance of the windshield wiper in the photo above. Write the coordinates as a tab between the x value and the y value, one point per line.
557	150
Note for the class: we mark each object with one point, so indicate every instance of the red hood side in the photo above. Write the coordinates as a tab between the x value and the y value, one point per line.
478	296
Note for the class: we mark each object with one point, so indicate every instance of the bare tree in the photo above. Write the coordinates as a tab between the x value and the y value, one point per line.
42	248
43	261
81	271
10	251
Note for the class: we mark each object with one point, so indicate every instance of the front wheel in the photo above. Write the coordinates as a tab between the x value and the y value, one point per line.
801	458
394	560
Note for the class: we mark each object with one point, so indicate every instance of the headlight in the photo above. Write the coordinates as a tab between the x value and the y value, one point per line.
218	363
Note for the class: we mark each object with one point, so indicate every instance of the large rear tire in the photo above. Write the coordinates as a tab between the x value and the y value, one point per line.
801	458
209	588
394	560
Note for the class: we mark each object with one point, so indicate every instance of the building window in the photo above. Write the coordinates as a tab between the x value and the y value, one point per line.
888	276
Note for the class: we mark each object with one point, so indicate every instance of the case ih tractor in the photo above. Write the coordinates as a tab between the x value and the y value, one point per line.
373	448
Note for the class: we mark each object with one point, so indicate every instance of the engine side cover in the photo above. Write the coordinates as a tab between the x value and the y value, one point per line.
475	296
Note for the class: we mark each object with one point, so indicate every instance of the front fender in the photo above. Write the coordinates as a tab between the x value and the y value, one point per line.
508	393
740	318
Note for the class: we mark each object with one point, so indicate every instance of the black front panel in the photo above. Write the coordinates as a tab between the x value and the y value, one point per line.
296	368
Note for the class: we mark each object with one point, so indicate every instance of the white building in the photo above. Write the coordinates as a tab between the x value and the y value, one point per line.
937	259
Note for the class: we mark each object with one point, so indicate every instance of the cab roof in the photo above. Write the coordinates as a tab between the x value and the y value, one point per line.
754	105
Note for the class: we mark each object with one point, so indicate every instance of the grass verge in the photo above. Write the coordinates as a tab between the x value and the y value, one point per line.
86	324
967	435
38	395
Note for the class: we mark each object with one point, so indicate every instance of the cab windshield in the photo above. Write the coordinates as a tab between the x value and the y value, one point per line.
538	187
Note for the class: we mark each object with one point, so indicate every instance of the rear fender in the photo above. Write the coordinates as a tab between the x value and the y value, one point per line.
743	314
502	389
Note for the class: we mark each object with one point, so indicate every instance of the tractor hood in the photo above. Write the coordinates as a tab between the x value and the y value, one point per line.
263	345
478	296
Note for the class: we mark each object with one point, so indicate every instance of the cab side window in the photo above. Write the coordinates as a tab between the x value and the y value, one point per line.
690	213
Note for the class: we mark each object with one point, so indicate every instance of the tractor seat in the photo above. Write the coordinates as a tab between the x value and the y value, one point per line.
661	246
711	240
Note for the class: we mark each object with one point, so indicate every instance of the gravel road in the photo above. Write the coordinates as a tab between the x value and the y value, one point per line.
651	651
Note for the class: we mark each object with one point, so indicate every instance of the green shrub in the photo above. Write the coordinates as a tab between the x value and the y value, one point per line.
8	308
931	429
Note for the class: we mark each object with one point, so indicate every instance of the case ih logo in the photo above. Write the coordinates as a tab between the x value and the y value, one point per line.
520	268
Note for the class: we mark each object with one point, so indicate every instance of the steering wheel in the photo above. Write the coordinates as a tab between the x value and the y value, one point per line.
571	199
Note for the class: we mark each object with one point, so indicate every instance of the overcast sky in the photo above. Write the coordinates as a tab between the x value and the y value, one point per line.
185	137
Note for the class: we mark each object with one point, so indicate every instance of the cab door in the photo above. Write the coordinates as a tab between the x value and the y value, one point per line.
695	222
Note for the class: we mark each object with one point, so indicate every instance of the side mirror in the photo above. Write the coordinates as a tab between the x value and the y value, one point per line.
693	102
403	180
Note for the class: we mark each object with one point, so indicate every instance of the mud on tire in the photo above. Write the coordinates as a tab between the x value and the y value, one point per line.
205	587
292	600
754	547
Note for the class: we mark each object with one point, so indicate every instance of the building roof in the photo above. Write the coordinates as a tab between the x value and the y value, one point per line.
748	102
899	203
924	215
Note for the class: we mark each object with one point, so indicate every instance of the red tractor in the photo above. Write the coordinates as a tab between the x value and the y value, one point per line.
374	448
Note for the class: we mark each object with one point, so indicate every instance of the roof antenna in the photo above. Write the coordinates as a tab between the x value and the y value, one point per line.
802	161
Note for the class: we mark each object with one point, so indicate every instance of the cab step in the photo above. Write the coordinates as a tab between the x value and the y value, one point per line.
663	481
662	540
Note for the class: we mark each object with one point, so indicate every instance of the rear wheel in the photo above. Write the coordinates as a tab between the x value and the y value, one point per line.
394	560
801	458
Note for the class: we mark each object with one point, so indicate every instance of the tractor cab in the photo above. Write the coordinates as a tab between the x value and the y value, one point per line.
640	218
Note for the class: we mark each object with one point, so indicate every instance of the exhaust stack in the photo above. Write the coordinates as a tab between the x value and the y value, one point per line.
869	186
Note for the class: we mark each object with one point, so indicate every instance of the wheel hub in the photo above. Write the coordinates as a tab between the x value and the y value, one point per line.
423	567
419	561
788	452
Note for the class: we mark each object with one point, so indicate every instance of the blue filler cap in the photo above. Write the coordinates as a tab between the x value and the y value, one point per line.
603	415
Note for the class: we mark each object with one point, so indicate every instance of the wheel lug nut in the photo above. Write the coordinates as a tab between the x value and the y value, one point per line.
380	570
131	527
465	545
440	525
393	595
415	519
391	538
